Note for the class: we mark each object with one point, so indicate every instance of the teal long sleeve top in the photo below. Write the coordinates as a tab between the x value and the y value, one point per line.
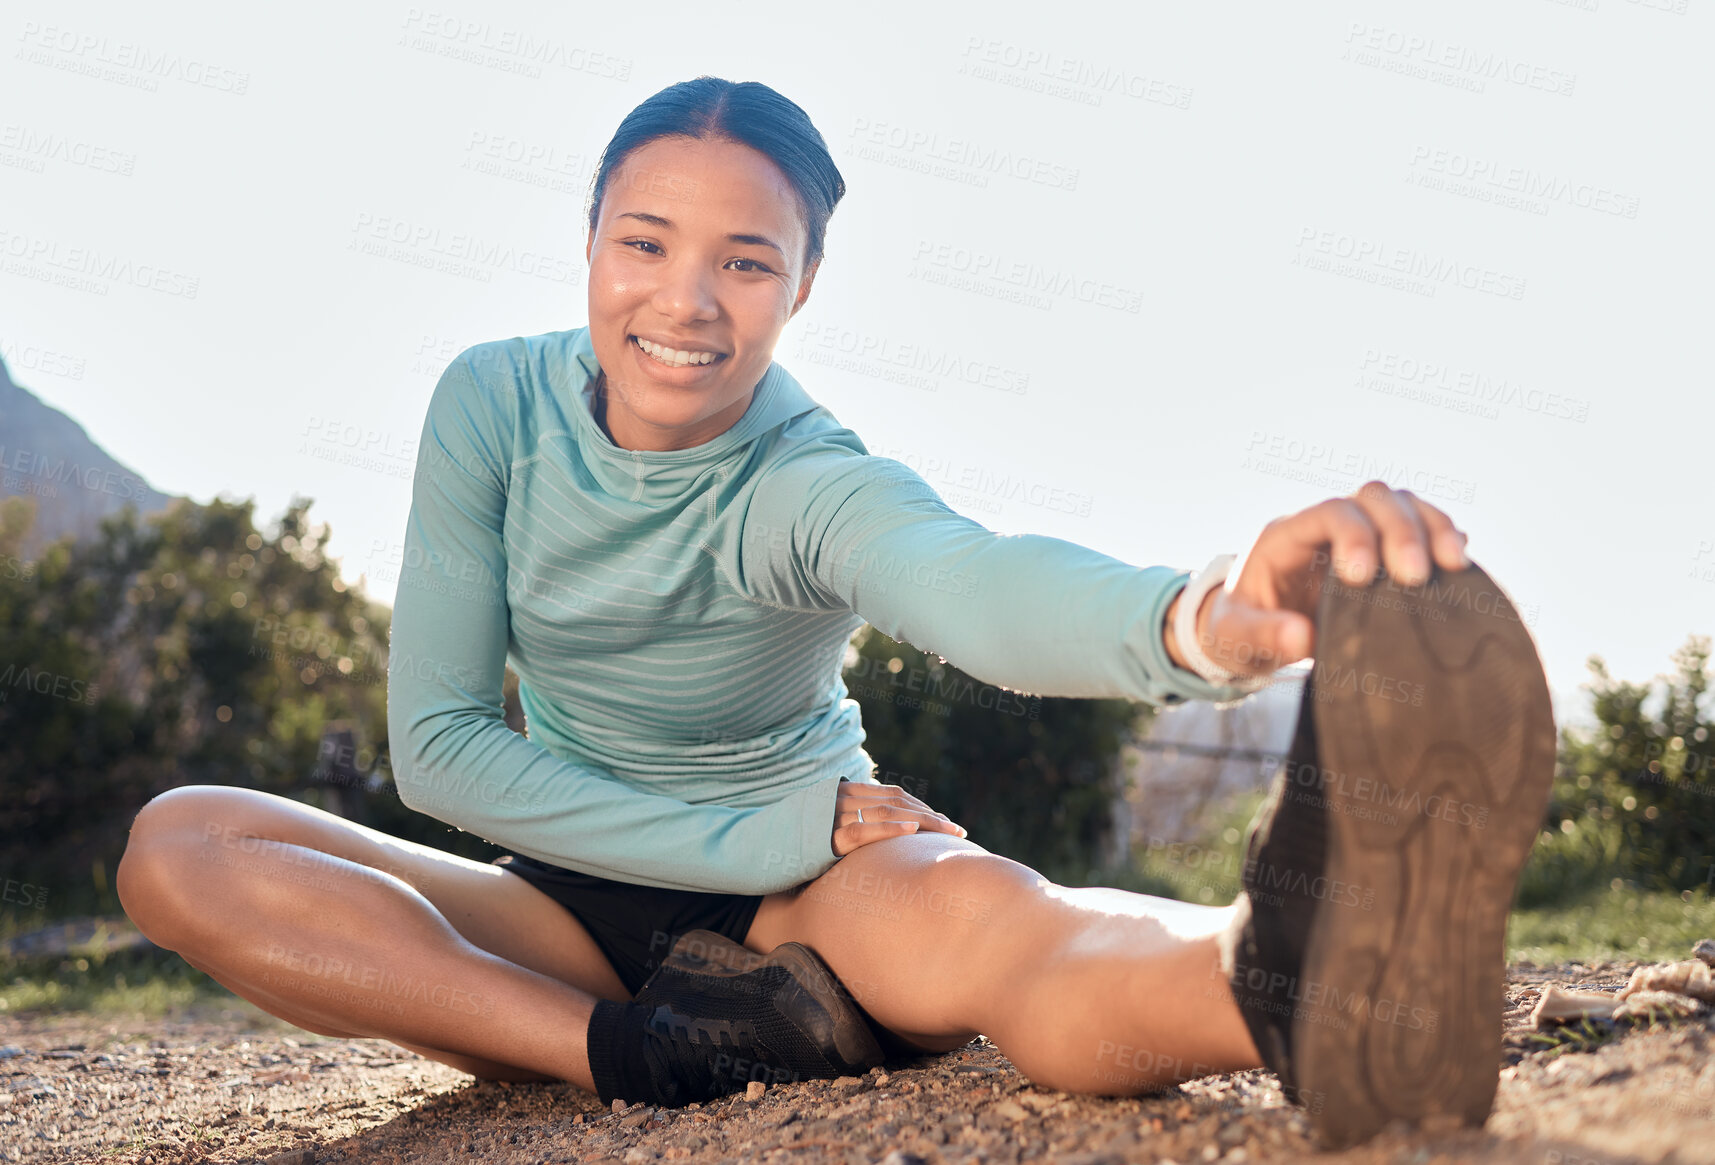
678	622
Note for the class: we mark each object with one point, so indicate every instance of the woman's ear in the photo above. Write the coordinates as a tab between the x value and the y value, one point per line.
804	287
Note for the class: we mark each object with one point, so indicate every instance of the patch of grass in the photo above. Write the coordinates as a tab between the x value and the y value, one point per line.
1206	872
1612	922
1583	1036
148	983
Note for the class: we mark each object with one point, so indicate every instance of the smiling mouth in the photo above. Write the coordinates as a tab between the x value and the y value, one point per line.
675	357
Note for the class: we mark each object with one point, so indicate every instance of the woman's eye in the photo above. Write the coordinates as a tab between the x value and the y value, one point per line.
753	265
643	243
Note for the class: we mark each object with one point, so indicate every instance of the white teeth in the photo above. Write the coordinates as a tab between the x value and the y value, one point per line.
674	356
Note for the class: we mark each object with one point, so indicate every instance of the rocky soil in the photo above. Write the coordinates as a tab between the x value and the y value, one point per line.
247	1089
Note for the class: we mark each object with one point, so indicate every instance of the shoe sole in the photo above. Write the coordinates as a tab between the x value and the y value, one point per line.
1436	743
845	1036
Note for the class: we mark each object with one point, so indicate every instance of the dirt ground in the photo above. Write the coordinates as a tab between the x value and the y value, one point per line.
243	1088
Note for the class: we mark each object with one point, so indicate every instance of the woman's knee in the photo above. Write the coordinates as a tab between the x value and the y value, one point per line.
163	862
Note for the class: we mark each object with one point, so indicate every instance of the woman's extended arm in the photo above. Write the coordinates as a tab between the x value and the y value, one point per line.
454	757
831	524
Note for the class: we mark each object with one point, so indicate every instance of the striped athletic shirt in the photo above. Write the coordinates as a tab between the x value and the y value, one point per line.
678	621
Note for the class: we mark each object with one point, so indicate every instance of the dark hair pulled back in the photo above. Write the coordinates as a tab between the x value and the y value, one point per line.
746	112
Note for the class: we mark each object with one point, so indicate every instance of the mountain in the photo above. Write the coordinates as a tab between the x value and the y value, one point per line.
75	483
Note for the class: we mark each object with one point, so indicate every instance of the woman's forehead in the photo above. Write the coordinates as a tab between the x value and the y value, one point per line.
695	183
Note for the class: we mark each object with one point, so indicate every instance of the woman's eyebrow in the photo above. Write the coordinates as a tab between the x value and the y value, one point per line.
656	220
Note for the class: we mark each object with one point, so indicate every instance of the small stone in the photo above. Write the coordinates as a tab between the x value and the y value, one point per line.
618	1105
1705	950
1010	1110
1557	1006
849	1083
754	1090
293	1157
1657	1005
637	1119
881	1078
1688	978
10	1050
901	1157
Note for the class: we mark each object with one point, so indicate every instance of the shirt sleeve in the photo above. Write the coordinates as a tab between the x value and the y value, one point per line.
454	758
839	527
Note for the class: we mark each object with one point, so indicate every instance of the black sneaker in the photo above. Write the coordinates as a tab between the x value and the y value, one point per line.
776	1018
1368	944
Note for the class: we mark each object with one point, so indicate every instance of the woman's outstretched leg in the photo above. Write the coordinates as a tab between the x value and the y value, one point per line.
344	930
1086	990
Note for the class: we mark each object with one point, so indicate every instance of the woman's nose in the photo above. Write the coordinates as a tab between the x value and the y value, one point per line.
686	292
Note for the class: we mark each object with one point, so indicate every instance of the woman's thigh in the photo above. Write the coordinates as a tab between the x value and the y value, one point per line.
210	827
921	929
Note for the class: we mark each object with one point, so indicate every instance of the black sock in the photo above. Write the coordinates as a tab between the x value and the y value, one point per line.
615	1046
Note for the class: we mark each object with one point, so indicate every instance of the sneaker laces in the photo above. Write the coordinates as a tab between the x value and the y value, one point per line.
692	1058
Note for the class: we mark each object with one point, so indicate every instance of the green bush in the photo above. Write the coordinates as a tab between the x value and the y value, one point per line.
1034	778
1634	798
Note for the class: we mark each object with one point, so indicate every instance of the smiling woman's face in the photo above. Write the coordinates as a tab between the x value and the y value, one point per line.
696	263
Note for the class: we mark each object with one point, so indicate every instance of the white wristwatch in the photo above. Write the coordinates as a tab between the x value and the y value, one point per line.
1185	629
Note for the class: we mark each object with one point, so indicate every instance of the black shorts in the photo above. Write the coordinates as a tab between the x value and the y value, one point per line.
636	926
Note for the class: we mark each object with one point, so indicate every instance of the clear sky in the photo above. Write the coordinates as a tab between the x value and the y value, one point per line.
1142	280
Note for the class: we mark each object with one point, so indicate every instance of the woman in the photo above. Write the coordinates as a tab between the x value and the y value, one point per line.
672	543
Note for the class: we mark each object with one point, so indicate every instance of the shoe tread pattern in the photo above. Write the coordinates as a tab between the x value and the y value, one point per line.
1409	781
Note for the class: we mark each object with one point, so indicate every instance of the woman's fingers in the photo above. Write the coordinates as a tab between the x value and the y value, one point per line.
1446	540
887	811
850	837
1255	640
862	795
1404	538
1262	620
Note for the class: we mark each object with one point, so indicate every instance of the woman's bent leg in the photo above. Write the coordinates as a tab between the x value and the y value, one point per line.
344	930
1086	990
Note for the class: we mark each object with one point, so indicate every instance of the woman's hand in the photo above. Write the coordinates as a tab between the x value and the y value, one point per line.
1262	619
888	811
